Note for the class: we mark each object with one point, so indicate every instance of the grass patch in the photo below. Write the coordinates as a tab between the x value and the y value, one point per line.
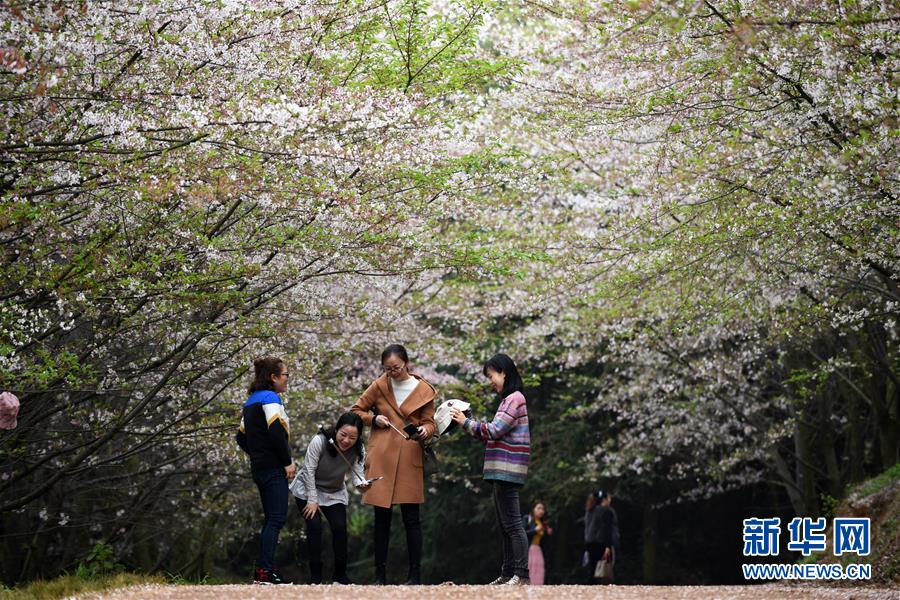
876	484
178	579
71	585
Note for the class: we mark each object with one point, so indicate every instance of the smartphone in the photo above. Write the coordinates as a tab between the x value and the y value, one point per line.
411	430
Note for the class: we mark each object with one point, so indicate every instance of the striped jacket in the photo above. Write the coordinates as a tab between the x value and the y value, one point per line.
507	438
264	431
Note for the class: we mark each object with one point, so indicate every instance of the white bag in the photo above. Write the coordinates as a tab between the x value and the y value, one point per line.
604	571
298	487
442	419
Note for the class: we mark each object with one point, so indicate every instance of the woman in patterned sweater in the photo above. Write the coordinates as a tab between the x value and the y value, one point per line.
506	462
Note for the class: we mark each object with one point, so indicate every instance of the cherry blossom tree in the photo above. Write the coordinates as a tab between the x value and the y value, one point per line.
730	244
186	187
679	217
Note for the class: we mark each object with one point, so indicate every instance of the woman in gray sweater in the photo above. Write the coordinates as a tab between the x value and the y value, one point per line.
319	488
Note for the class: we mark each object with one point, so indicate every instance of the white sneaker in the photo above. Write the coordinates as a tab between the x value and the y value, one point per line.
516	580
500	580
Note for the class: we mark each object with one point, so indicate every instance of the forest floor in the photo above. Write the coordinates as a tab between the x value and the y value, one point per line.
470	592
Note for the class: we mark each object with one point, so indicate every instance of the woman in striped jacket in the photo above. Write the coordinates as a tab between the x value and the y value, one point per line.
506	462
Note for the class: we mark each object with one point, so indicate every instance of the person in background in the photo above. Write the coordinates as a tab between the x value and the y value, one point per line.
598	528
9	410
537	528
320	488
263	435
616	538
506	458
395	398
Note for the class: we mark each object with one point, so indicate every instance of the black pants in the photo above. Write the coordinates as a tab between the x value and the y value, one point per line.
595	553
509	517
411	522
337	519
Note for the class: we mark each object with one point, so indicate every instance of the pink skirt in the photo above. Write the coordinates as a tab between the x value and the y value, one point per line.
535	564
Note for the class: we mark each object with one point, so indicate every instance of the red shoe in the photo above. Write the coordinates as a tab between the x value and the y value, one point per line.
269	577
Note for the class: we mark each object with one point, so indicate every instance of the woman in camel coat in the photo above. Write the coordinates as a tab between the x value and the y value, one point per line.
397	398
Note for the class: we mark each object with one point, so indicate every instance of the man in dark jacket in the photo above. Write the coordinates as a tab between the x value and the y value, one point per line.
598	531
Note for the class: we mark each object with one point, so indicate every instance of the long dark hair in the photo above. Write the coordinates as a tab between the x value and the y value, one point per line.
512	382
263	369
534	506
348	418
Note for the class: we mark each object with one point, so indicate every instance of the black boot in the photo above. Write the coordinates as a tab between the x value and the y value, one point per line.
315	572
340	574
415	575
380	575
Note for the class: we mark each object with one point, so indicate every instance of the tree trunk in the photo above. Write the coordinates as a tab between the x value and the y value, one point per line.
806	475
143	551
649	538
563	530
883	405
885	393
787	480
856	442
827	438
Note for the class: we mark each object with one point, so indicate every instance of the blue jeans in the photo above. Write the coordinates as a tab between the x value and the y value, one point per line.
509	517
273	491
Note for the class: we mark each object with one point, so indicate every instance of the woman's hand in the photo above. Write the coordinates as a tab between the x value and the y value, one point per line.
457	415
290	471
382	421
310	510
606	555
421	433
549	530
364	487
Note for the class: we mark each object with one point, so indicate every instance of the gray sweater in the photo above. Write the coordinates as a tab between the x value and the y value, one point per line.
321	480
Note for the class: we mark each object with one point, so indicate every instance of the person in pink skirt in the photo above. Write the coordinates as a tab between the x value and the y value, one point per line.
537	528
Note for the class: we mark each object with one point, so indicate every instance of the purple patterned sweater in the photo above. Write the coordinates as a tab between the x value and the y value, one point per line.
507	438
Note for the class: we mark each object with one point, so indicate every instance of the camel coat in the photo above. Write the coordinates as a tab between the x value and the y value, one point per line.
398	460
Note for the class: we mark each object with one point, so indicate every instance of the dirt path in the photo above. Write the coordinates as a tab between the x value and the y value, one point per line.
474	592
